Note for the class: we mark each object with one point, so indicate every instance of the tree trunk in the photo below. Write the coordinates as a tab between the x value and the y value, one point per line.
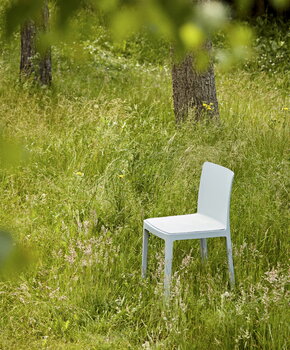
27	64
45	61
260	7
33	63
194	91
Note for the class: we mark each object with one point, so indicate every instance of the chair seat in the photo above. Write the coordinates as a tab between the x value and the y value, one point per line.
183	224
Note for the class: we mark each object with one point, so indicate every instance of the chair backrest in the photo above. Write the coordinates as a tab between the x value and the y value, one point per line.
215	192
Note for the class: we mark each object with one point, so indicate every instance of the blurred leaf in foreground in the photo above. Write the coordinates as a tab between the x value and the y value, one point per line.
192	36
19	12
11	153
281	4
6	245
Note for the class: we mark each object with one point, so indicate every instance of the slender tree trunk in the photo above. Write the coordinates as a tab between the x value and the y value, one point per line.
194	91
45	75
33	63
28	33
260	7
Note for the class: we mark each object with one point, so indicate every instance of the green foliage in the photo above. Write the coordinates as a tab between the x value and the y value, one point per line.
180	22
272	45
265	49
17	12
185	24
105	153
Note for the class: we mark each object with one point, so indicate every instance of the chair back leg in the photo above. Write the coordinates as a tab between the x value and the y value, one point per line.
145	252
230	260
203	249
168	266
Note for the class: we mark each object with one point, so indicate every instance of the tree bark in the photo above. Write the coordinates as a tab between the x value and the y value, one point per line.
28	33
45	75
260	7
33	63
194	91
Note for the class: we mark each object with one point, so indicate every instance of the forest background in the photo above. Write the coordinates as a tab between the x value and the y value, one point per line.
86	160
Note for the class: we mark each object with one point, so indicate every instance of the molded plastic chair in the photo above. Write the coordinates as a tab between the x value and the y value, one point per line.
211	220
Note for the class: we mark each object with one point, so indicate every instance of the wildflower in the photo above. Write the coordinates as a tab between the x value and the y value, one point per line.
208	107
79	173
45	339
285	109
225	295
272	276
146	345
72	255
121	176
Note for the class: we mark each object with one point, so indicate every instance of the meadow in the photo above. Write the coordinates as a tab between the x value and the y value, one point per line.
99	152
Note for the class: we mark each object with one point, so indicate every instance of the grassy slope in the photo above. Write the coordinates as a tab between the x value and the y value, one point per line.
82	234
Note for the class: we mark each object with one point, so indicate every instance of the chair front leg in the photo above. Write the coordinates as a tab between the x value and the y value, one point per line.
230	260
168	266
145	252
203	249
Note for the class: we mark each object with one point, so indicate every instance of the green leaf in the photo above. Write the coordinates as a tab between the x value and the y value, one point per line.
281	4
66	10
6	244
191	36
212	15
11	153
20	11
124	23
240	35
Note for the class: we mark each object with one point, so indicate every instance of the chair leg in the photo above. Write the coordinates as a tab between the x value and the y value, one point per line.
203	249
168	266
230	260
145	252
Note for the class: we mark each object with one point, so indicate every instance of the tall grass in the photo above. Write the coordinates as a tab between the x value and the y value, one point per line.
101	153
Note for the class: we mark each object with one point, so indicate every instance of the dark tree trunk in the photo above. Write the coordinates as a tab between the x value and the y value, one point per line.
194	91
28	34
260	7
45	75
33	63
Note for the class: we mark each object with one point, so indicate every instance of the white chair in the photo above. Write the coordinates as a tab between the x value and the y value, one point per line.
211	220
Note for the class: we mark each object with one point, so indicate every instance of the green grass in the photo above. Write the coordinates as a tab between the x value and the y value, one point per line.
74	280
